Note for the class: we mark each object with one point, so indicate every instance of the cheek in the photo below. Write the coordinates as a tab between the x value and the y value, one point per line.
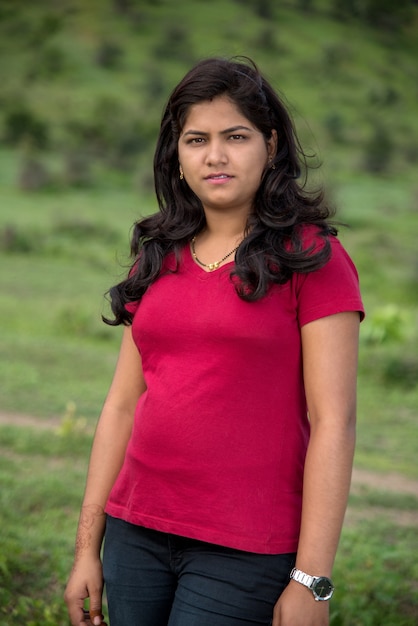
188	161
256	168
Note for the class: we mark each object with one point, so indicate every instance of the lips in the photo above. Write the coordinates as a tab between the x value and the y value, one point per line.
218	176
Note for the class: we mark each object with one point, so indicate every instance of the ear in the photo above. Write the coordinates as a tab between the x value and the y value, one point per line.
272	144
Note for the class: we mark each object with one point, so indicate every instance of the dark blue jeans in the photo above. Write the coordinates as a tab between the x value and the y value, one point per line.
157	579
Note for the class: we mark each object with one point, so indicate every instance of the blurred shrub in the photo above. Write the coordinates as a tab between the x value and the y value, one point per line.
385	95
109	55
410	150
78	169
123	6
42	26
64	237
389	323
33	174
387	14
48	62
21	124
267	40
380	14
378	149
76	321
73	320
264	8
175	44
15	239
334	125
81	229
334	55
390	335
401	370
156	87
343	9
110	134
306	5
71	423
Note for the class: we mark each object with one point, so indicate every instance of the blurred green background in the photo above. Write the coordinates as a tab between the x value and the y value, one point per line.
82	88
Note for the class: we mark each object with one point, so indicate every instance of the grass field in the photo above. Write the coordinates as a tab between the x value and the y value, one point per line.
92	70
57	359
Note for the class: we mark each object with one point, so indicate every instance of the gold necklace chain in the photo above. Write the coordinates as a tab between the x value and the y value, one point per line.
211	266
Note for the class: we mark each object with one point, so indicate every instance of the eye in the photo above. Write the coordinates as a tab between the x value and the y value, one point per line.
195	141
237	137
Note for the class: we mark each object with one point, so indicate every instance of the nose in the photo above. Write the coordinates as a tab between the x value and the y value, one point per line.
216	153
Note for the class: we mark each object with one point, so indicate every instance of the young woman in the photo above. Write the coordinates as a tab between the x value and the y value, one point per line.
222	459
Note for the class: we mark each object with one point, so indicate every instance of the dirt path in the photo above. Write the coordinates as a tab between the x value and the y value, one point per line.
40	423
385	482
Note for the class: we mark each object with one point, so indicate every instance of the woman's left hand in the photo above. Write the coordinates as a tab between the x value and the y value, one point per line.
297	607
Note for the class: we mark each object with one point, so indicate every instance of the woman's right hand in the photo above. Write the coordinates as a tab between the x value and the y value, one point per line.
86	581
110	441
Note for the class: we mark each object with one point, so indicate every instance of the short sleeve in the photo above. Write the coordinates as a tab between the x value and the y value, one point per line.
332	289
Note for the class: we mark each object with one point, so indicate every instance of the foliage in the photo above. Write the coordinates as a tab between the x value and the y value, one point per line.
388	323
86	84
81	96
373	553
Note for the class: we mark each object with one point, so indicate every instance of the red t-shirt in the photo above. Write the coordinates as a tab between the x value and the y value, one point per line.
220	435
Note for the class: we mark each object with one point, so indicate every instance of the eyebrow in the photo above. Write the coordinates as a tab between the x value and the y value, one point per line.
227	131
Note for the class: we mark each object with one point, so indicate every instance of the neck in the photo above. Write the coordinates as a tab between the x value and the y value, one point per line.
225	226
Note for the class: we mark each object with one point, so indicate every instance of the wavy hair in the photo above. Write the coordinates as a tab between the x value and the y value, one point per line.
272	249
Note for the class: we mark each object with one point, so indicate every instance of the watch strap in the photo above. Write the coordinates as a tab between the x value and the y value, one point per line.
301	577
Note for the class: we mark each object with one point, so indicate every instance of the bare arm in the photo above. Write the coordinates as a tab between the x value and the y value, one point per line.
107	455
330	349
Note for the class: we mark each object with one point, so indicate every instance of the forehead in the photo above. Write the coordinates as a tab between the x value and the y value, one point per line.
221	112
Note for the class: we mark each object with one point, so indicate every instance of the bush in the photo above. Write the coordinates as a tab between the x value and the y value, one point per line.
77	169
378	150
267	40
387	324
334	124
16	240
33	175
21	125
109	55
401	370
174	44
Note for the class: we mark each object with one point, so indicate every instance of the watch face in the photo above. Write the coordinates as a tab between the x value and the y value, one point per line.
322	588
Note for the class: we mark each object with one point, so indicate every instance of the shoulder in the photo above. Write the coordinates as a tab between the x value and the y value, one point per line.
331	288
313	237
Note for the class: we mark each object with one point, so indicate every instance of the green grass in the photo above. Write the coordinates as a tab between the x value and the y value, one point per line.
57	359
367	497
62	247
372	552
42	475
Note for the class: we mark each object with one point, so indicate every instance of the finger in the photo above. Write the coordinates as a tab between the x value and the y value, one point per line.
89	618
96	616
78	616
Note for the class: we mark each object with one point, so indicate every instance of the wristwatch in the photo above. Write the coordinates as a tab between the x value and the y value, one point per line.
321	586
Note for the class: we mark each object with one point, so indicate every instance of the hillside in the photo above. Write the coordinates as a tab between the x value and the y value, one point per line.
82	86
86	81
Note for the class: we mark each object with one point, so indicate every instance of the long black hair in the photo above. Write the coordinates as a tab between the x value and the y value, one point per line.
273	248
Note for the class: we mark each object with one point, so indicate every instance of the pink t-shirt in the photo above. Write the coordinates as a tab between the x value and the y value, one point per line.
220	435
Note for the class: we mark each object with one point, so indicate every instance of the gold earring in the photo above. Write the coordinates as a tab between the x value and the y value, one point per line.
273	167
181	173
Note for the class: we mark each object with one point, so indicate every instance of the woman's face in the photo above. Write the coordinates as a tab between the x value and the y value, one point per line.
223	155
